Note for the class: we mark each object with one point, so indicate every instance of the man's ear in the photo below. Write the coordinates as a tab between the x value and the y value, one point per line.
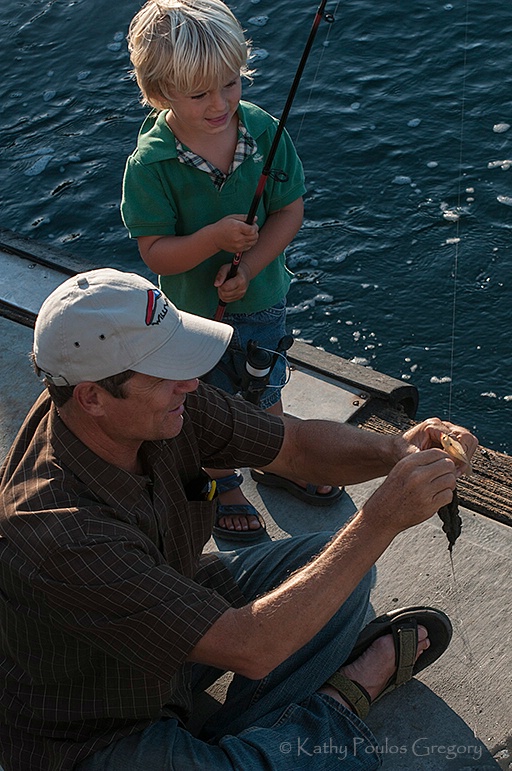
91	398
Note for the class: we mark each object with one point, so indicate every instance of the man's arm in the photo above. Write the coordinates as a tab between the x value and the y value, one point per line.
255	639
326	452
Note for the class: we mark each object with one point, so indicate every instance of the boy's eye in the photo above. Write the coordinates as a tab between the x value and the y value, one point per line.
199	96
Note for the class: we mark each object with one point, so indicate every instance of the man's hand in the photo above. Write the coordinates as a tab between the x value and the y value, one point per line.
413	491
428	434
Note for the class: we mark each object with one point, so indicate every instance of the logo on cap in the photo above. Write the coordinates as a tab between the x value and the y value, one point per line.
151	307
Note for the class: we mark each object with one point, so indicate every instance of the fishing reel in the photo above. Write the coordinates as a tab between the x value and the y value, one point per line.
259	363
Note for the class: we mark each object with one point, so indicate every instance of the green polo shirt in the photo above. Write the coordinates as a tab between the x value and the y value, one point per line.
163	196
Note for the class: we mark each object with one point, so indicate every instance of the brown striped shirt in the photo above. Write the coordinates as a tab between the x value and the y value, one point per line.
104	590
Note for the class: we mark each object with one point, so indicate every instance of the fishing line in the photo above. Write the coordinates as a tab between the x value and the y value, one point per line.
459	209
320	61
456	589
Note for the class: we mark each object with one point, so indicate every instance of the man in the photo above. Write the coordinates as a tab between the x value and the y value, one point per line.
112	617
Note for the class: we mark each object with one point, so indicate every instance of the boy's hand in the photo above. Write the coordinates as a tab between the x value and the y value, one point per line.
233	234
234	288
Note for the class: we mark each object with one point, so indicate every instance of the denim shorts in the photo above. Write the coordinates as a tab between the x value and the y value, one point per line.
266	327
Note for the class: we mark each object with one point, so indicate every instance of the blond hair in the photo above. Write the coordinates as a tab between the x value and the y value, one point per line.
185	46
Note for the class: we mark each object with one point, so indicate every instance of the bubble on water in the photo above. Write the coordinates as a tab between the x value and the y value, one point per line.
355	105
504	165
39	166
305	305
432	164
258	21
119	36
323	298
506	199
114	46
414	122
507	398
489	394
258	54
305	340
402	180
470	190
500	128
451	215
450	241
333	339
405	377
83	74
448	7
48	95
360	360
356	335
445	379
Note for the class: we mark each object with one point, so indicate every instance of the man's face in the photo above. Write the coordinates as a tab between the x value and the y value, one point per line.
151	410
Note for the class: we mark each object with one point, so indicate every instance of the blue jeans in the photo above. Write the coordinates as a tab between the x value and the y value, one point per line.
266	328
280	722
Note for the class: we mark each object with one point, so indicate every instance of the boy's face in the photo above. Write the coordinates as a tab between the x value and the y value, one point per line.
205	112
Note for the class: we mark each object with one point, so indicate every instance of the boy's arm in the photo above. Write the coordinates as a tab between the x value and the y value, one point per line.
169	255
276	234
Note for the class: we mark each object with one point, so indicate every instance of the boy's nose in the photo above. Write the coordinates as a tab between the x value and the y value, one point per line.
218	100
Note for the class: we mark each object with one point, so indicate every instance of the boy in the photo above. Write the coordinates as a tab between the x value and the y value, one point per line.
198	160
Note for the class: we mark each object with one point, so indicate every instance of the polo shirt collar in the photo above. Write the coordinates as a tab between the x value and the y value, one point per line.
156	141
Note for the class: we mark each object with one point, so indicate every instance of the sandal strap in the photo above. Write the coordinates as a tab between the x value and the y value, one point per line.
236	509
354	693
231	482
406	645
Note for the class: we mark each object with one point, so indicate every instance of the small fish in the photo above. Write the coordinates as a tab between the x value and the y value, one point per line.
456	450
452	523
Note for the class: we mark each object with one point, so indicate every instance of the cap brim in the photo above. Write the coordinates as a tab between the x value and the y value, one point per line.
194	348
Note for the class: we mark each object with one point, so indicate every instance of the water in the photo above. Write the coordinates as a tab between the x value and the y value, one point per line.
402	121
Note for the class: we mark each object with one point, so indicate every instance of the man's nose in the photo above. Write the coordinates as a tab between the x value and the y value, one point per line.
185	386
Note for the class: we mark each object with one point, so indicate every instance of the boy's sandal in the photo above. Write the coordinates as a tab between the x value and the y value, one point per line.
224	484
403	625
309	494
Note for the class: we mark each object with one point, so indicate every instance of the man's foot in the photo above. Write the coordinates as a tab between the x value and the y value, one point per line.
373	670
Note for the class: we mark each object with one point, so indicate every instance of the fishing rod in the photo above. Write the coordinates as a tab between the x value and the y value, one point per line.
273	148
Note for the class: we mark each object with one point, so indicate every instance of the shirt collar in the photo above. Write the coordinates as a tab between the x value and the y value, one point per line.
156	141
246	146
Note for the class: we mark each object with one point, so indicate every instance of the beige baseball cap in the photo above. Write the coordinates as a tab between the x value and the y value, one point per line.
102	322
